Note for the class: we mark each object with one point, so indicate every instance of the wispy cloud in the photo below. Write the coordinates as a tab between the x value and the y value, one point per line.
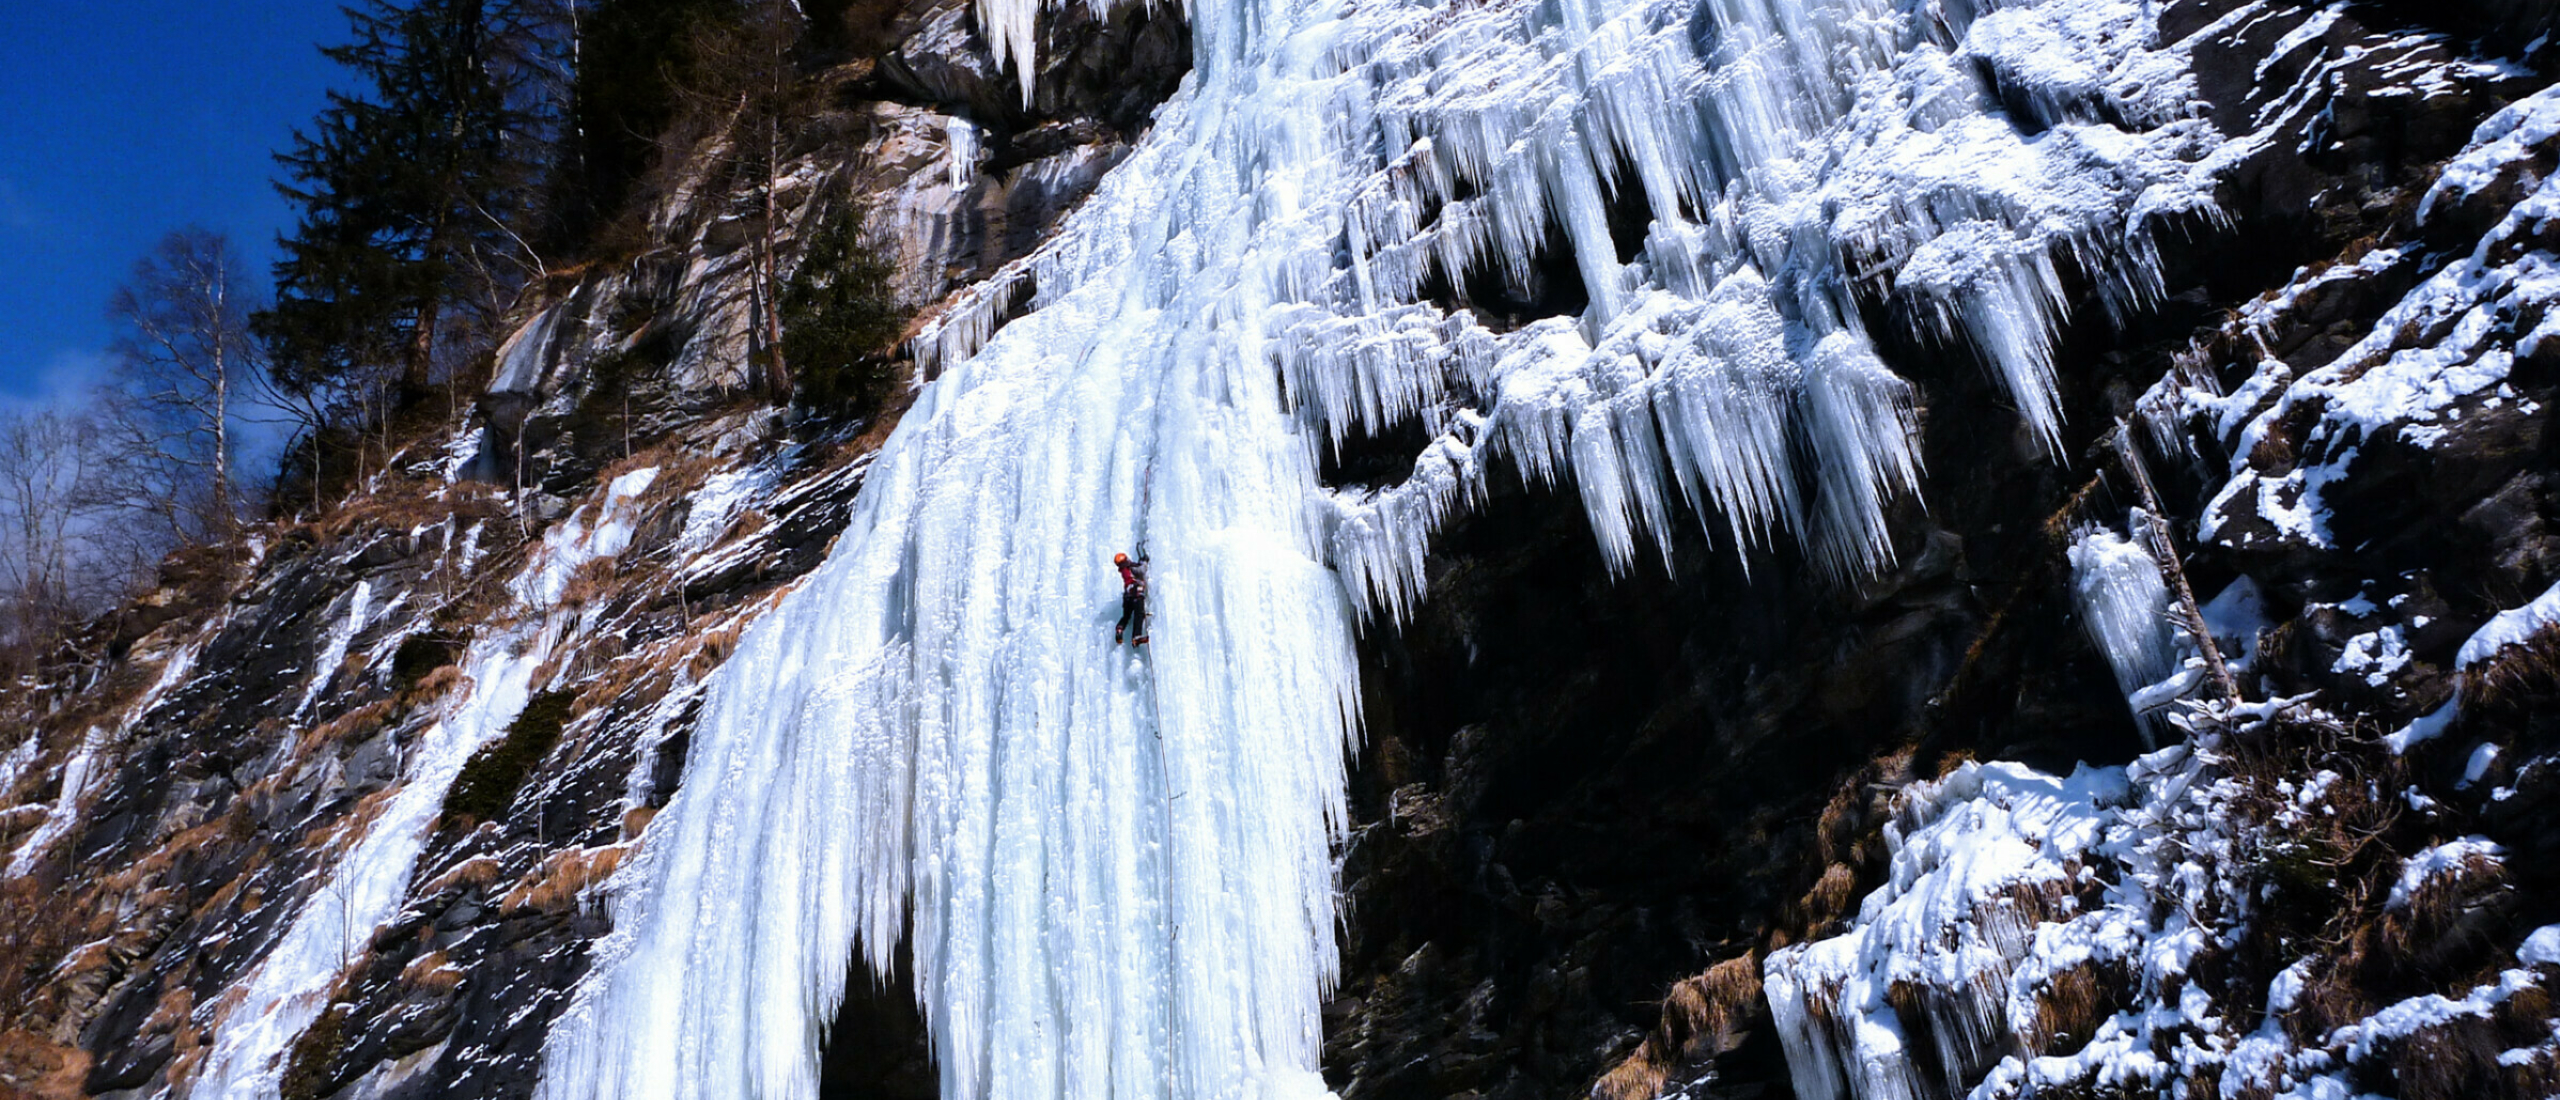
64	381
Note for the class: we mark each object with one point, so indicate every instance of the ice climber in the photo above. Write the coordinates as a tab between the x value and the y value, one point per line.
1133	599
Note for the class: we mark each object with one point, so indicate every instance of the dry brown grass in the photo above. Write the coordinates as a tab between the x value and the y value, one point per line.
2516	674
555	885
475	871
33	1067
1830	897
402	504
37	941
717	645
2069	1007
590	583
1841	820
333	839
349	728
2458	1060
616	681
637	821
187	1052
630	681
893	408
21	819
2448	917
224	895
435	685
175	1003
433	971
1702	1017
681	470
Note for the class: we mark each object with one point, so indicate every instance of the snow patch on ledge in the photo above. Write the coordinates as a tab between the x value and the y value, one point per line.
2442	859
2512	627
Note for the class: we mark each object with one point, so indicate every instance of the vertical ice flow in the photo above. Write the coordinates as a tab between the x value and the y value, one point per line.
2125	607
1113	867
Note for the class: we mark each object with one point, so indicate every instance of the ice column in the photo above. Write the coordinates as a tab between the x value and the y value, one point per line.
1113	865
2124	605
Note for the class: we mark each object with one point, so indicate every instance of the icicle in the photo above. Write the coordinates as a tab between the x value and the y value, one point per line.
2125	606
960	140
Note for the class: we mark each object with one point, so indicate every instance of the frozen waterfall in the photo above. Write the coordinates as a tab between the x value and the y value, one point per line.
1114	867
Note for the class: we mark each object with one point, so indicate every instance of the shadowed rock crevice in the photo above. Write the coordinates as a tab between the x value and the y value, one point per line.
877	1047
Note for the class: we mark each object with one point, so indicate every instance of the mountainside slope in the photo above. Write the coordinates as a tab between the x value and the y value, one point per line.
1804	808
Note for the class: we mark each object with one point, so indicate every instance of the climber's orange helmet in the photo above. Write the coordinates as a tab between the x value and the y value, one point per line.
1119	559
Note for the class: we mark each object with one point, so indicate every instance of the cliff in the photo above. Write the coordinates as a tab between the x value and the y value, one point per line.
1854	550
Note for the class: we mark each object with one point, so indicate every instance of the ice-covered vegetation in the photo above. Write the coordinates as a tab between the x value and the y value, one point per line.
2095	932
2226	913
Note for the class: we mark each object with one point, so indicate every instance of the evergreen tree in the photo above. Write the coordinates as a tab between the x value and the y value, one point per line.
632	56
840	326
406	193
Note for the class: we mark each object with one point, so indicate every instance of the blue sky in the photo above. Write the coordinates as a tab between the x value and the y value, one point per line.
122	121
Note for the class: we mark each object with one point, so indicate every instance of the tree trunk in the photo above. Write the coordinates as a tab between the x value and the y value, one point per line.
417	373
781	381
222	509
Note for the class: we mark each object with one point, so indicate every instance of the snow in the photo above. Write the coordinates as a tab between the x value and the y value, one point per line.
2483	755
2541	947
2505	139
2440	355
333	646
365	886
1983	838
1727	360
2236	616
577	540
82	769
710	509
15	764
65	811
525	354
962	137
2426	727
2442	859
2408	1017
2512	627
2374	655
2165	849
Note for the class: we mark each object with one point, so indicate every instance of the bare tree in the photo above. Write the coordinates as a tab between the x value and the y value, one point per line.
49	574
746	72
181	361
772	29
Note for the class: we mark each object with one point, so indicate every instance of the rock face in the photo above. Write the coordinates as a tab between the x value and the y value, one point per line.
1587	801
616	508
1624	835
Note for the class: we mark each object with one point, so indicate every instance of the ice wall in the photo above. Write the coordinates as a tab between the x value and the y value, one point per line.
1113	867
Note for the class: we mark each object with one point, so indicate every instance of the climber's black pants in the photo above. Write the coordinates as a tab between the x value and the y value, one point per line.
1133	617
